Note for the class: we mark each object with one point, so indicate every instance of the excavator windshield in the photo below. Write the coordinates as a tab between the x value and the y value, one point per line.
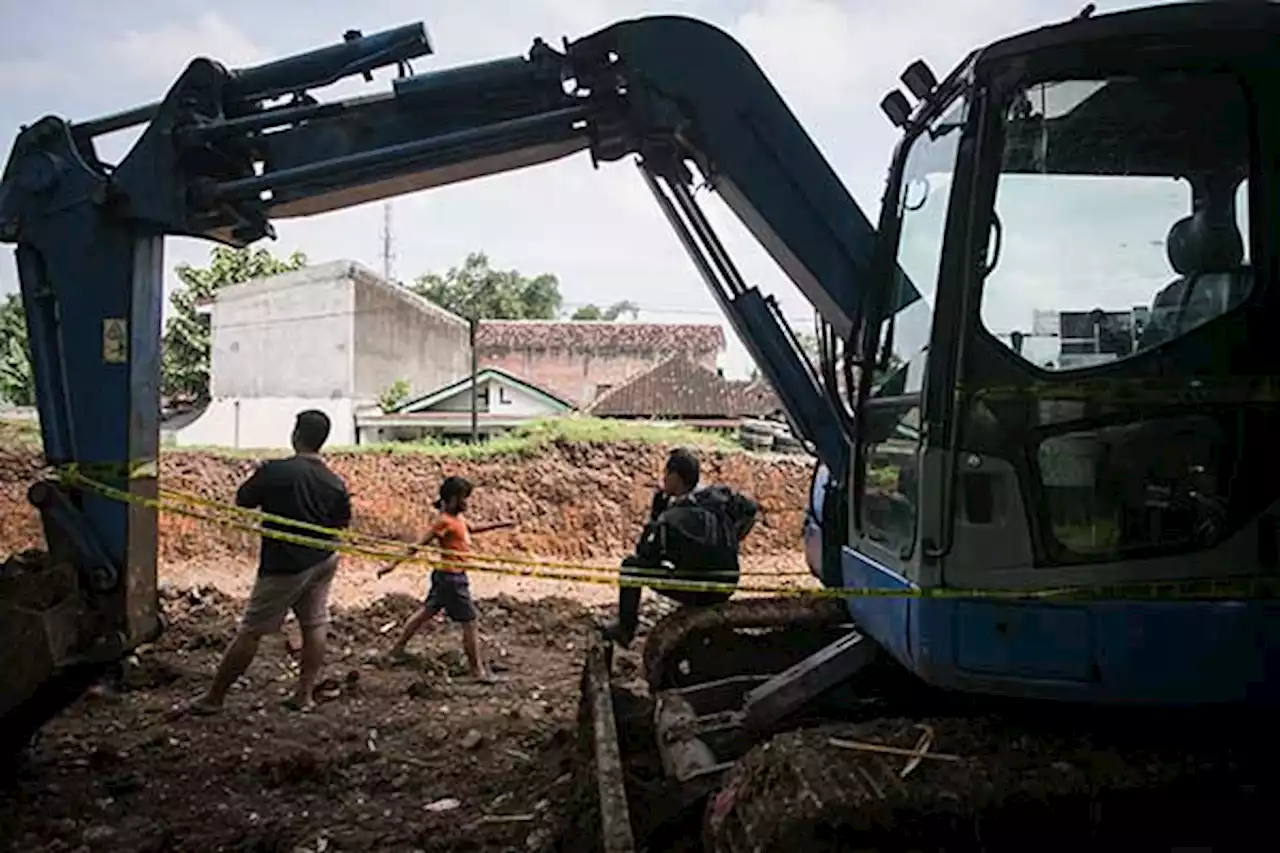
1124	214
1113	324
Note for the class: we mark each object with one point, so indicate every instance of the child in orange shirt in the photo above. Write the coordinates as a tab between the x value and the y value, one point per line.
450	589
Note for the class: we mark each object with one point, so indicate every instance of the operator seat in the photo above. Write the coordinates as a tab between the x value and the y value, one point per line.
1206	251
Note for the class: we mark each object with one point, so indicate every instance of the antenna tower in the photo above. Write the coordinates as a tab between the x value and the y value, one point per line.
388	244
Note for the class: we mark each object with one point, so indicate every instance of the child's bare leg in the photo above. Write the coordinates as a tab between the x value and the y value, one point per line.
413	626
471	644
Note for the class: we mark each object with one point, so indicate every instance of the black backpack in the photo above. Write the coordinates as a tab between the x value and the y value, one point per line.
700	533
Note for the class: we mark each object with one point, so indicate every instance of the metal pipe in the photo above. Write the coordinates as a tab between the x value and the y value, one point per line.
737	285
272	118
357	54
116	121
330	169
472	323
687	239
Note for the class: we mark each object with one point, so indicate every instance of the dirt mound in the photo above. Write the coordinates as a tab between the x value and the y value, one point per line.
984	783
19	524
571	500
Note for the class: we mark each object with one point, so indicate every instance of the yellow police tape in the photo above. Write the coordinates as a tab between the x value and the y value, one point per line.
659	579
385	549
378	542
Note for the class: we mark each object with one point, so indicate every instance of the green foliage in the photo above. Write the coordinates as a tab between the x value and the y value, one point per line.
610	314
185	362
531	437
809	346
527	440
394	395
478	292
17	385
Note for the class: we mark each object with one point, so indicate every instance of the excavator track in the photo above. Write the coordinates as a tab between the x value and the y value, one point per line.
739	637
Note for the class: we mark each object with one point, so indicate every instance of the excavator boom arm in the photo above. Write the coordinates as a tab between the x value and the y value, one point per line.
227	151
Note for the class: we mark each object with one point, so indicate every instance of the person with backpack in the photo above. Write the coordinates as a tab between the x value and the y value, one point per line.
692	535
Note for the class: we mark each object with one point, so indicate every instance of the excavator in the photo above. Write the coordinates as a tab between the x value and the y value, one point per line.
997	503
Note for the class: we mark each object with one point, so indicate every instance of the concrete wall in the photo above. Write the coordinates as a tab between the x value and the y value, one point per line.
330	337
263	422
285	336
575	376
401	336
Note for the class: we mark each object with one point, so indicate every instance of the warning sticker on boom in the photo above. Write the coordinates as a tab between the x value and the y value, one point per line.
115	340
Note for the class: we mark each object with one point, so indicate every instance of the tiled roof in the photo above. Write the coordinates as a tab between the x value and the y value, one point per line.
599	337
755	397
681	388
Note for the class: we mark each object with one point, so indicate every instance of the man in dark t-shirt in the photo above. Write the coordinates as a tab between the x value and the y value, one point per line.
291	575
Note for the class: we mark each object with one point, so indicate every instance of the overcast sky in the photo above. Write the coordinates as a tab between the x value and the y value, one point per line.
599	231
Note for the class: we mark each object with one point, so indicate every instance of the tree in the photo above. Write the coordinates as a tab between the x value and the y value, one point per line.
187	340
613	312
478	292
393	395
17	385
809	346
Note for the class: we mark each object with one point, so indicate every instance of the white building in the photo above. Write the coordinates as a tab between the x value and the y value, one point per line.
332	337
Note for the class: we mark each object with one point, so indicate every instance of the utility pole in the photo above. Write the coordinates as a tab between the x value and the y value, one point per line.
472	323
388	245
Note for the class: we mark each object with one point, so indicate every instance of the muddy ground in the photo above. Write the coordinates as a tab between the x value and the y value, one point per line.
411	757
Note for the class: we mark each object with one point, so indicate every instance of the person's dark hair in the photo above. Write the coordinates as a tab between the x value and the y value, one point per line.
453	487
684	465
311	430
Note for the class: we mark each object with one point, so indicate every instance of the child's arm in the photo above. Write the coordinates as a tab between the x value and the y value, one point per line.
427	538
497	525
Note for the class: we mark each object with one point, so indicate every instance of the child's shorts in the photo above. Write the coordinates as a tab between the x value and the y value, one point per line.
451	592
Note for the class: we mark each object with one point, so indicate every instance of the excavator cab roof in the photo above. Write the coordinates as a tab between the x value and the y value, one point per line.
1157	30
1106	116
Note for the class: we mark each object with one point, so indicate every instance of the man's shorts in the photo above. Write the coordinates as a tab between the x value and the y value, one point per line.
451	592
306	594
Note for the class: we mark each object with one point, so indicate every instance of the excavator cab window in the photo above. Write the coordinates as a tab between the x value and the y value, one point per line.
889	508
1108	250
1114	320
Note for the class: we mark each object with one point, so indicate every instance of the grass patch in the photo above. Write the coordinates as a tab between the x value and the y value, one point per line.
522	441
528	439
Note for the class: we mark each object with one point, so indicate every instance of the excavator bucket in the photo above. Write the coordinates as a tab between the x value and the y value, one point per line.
605	784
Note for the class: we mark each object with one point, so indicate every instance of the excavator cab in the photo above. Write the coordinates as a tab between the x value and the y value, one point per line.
1086	224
